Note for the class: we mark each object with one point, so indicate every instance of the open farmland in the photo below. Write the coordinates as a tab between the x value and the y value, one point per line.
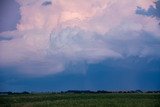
81	100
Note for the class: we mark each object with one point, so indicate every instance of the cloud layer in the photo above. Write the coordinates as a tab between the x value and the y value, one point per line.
53	34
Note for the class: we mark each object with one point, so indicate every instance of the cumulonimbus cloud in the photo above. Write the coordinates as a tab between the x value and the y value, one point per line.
53	33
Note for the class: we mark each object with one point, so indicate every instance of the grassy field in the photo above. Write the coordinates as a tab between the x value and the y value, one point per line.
81	100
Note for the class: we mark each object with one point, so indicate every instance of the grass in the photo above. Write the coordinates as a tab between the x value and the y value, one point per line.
81	100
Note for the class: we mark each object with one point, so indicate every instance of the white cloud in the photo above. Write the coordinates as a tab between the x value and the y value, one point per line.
49	37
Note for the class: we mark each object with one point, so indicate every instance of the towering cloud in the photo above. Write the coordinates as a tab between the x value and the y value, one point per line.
53	33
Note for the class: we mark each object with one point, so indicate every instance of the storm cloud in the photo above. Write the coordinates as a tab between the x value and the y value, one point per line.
48	39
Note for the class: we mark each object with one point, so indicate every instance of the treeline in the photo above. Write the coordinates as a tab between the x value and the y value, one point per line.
103	91
79	92
12	93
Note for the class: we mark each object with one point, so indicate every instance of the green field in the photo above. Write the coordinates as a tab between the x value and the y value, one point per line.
81	100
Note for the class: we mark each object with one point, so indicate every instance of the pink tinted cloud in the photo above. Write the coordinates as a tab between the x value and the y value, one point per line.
49	37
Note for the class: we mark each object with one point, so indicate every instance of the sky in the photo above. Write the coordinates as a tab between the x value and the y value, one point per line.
58	45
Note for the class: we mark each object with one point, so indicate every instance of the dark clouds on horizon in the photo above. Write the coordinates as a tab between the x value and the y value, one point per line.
107	75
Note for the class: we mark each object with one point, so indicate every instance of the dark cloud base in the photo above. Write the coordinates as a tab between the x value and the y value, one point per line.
122	74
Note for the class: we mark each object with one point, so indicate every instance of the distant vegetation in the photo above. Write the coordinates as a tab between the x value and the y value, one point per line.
80	91
76	98
81	100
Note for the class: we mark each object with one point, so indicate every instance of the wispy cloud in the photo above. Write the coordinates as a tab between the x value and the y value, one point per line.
46	3
153	11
